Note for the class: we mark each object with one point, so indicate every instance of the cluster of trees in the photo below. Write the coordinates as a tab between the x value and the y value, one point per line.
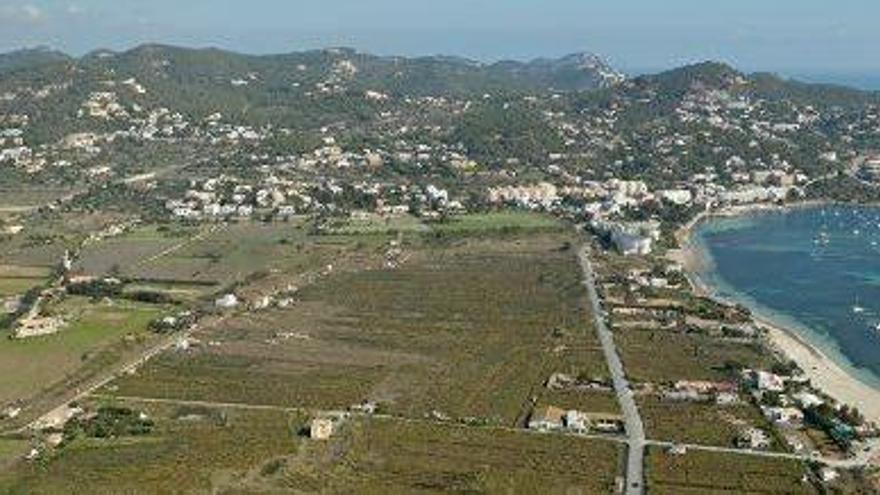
492	133
844	189
109	422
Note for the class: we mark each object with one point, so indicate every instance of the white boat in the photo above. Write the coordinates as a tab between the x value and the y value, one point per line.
858	309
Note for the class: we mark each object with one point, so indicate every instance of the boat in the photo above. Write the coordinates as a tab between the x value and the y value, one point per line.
858	309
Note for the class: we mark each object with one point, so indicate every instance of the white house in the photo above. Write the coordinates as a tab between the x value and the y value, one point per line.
227	302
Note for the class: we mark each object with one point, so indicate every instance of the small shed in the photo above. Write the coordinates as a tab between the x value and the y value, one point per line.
321	428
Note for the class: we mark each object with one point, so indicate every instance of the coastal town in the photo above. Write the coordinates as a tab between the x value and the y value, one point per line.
370	261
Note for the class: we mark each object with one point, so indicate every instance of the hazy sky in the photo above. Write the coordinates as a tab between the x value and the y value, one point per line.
781	35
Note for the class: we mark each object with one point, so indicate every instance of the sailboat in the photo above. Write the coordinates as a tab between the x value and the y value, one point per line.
857	309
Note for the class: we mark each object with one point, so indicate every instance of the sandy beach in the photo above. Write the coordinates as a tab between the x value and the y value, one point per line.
824	372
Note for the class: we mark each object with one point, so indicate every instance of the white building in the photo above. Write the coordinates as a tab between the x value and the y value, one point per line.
679	197
227	302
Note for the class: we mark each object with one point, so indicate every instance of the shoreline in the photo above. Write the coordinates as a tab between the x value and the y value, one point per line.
826	374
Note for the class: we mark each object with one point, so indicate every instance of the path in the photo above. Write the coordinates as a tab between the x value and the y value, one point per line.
859	460
111	374
244	406
213	229
635	431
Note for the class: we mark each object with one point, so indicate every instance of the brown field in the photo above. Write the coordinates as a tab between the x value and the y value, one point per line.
663	356
471	329
43	242
393	457
700	472
594	402
703	424
469	326
188	455
212	254
197	449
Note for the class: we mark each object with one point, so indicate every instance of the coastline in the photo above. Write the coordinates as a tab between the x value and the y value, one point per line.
825	373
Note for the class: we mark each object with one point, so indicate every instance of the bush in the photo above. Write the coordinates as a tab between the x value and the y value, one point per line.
109	422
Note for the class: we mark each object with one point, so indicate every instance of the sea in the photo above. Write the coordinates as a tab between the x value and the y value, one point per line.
814	270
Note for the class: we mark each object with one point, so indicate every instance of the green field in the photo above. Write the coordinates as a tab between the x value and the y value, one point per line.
32	368
18	286
495	222
11	451
700	472
16	280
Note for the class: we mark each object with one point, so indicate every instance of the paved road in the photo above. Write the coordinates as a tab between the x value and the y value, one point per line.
635	431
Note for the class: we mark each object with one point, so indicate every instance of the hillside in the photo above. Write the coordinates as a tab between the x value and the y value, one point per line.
448	120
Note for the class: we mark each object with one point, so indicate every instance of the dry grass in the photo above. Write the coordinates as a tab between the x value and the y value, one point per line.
700	472
663	356
704	424
470	329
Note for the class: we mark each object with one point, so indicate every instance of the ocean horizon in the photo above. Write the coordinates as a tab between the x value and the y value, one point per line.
863	81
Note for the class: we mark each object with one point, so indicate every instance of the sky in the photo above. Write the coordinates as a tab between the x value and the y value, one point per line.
786	36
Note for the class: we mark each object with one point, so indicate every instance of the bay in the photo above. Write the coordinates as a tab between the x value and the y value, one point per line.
814	270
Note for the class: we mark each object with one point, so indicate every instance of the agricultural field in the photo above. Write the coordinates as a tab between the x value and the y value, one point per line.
195	259
702	424
96	336
20	199
497	222
16	280
659	356
11	450
190	450
700	472
375	224
455	340
383	456
43	241
232	450
592	401
124	254
466	329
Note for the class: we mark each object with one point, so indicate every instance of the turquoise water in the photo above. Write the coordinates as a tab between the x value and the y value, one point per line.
815	270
